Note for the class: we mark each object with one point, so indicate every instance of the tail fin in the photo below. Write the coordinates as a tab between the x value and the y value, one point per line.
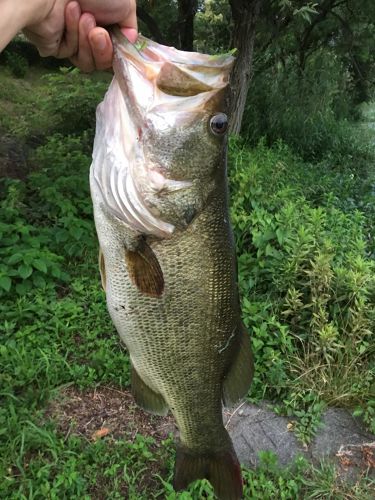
222	469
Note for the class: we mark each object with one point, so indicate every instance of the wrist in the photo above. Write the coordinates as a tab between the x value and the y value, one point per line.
13	18
34	11
16	16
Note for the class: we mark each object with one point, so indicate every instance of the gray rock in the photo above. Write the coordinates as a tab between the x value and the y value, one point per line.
255	428
341	438
339	429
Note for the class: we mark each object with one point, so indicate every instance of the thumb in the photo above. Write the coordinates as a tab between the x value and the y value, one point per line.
129	25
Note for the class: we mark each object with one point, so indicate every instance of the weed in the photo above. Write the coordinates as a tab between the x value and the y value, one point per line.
71	99
17	64
307	285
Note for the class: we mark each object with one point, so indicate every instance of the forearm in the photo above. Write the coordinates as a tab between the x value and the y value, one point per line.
16	15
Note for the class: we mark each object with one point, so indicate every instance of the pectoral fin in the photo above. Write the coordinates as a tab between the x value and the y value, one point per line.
238	379
144	270
102	269
145	397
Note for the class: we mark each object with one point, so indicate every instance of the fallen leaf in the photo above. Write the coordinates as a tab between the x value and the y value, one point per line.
100	433
345	462
368	455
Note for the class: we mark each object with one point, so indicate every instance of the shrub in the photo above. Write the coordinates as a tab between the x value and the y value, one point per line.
59	192
309	111
17	64
27	261
46	219
307	283
71	99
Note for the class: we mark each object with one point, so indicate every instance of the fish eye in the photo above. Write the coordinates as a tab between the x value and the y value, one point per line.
219	124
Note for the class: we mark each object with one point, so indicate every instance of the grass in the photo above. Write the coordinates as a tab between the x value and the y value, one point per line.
59	350
17	102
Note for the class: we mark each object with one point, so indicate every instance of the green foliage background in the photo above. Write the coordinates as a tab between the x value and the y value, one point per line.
302	205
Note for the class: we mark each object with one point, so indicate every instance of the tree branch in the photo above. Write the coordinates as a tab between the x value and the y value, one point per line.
151	24
305	43
325	10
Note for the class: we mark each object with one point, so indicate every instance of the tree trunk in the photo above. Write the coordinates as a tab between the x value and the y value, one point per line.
245	14
151	24
186	14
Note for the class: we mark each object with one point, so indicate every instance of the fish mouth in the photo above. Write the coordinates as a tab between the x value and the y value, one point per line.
155	78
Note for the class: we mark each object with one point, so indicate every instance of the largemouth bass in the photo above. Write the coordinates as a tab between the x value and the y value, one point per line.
167	261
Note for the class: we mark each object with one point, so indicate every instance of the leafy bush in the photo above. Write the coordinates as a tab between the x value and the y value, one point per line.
46	219
27	261
17	64
71	99
308	286
59	192
309	111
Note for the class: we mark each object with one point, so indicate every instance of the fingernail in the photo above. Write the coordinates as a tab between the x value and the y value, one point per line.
100	41
131	34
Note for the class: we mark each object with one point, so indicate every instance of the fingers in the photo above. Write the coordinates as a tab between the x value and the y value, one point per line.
84	59
95	47
48	33
102	49
69	47
67	32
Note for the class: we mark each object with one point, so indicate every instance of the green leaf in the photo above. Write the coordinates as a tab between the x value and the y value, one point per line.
56	272
270	251
25	271
76	232
15	258
280	236
232	52
23	288
5	283
357	412
62	235
39	281
140	45
40	265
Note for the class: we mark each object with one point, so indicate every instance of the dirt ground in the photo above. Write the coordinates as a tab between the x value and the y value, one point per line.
105	411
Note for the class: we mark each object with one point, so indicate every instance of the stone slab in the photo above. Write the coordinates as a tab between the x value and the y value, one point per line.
341	438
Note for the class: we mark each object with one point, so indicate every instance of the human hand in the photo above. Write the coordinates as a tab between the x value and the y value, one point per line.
68	29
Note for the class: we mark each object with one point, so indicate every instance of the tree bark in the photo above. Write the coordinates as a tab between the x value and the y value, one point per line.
151	24
186	14
245	14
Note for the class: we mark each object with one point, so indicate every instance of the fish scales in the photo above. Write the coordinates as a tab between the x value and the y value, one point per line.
173	297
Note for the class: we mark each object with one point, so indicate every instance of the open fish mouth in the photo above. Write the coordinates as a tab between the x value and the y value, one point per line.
155	88
160	77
